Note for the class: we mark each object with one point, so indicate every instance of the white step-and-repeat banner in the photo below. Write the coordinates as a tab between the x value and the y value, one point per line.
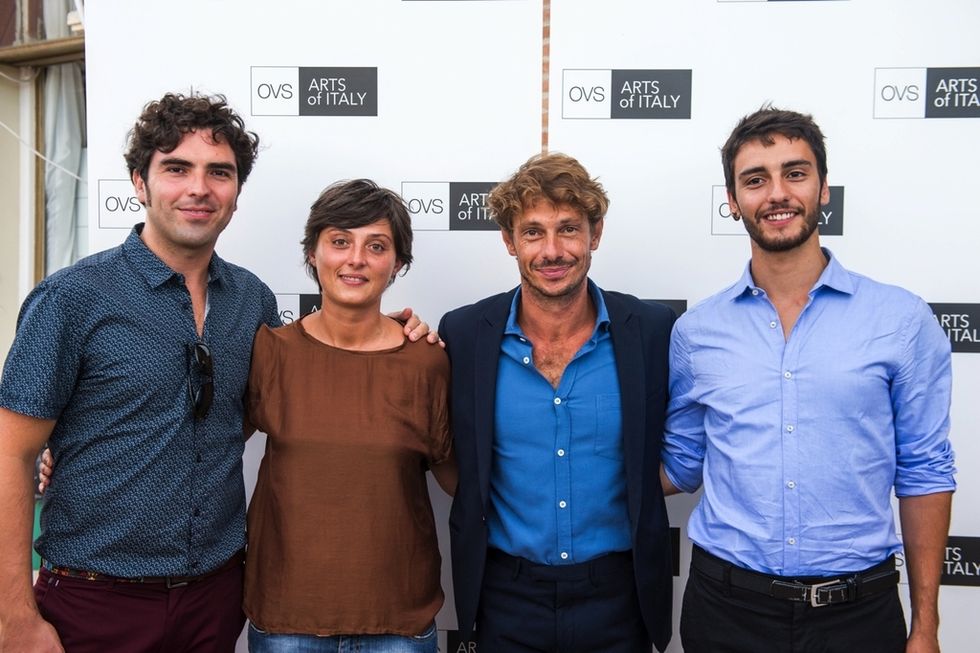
440	99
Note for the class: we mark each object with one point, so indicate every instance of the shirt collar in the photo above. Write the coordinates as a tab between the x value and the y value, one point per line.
153	270
601	320
834	276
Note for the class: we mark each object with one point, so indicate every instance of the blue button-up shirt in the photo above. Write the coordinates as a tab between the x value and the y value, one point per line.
140	487
558	482
799	441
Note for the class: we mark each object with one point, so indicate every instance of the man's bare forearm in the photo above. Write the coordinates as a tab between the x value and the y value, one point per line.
925	529
16	524
21	626
665	484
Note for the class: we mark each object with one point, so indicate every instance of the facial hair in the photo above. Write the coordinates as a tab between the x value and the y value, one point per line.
783	244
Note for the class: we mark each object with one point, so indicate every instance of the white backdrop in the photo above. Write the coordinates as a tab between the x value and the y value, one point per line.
450	93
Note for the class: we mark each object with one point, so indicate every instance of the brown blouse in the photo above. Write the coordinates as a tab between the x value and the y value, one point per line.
341	537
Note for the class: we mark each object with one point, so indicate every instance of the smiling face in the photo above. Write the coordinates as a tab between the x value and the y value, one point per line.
778	193
553	246
190	195
355	266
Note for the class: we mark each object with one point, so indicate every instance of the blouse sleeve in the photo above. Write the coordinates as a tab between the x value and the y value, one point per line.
260	372
439	413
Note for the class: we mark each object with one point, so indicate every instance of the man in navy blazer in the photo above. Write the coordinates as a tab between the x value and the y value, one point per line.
560	540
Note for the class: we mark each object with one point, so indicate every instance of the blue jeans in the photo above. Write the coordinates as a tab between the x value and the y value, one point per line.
263	642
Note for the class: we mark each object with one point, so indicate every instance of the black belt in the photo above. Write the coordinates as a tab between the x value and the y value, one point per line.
610	563
818	592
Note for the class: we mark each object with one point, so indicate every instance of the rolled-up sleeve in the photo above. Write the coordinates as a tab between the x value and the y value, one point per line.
684	440
921	392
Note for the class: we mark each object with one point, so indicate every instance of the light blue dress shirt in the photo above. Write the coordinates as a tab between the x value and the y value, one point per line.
798	442
558	481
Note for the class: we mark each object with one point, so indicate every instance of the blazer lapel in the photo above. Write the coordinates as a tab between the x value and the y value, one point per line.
628	348
490	333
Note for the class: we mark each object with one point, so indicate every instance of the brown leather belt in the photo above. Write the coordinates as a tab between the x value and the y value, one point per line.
168	581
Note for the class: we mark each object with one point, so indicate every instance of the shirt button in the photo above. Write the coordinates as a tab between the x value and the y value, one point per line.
526	360
791	540
789	428
791	484
562	504
772	325
564	555
788	374
523	339
557	400
561	452
754	292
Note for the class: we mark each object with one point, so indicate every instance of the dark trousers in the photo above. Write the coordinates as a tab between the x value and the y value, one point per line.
589	607
106	616
720	618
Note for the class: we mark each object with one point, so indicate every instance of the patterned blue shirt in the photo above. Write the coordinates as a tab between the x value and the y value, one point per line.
558	482
800	441
140	487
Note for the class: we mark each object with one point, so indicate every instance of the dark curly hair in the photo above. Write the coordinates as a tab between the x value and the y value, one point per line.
164	122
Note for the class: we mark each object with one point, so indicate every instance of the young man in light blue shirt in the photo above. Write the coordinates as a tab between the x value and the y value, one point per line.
800	397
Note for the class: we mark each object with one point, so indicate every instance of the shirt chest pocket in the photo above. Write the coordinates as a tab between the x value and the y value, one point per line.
608	426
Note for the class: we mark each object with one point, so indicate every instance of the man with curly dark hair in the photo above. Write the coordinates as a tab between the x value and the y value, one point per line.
132	365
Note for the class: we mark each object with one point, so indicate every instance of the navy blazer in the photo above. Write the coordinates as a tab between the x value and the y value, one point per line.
640	334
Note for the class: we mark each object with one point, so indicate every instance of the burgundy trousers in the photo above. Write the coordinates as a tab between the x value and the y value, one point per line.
109	616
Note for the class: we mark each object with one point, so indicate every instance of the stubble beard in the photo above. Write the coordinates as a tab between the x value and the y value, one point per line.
754	227
562	293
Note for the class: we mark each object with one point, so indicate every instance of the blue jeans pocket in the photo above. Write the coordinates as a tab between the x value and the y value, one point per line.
429	633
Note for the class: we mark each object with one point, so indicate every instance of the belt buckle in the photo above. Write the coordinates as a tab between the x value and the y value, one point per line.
171	584
813	592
